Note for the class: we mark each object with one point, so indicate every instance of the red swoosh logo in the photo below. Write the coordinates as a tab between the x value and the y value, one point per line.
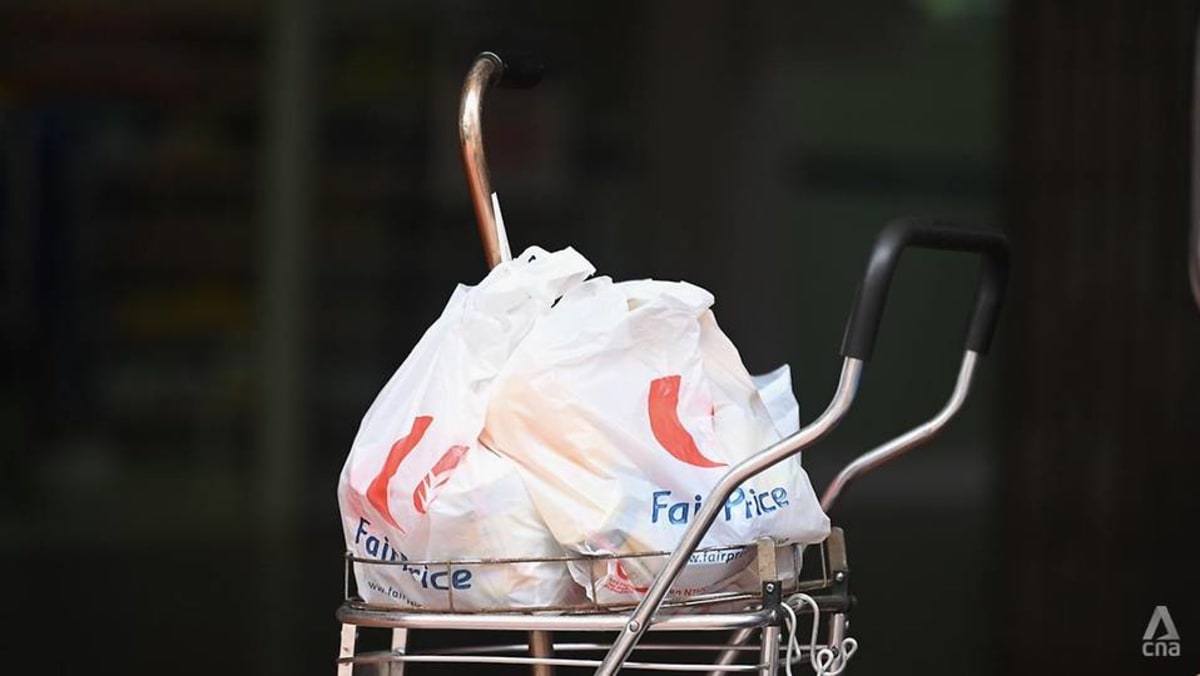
377	492
622	584
437	477
664	422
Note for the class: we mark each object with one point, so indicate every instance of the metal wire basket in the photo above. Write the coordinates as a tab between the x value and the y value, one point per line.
777	570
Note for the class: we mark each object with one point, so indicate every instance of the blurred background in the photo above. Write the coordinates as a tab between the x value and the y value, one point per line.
223	225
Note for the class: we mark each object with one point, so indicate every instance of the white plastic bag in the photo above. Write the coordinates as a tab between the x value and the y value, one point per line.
775	390
417	485
623	406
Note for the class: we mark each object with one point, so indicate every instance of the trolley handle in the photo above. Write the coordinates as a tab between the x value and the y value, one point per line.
856	349
927	233
512	70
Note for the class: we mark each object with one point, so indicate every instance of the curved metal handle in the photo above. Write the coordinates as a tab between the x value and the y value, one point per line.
885	453
869	301
864	324
488	69
860	338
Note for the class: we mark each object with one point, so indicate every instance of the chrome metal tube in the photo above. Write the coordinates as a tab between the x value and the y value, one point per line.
483	74
541	646
346	649
640	619
570	662
399	647
730	654
372	617
837	633
768	657
583	647
893	449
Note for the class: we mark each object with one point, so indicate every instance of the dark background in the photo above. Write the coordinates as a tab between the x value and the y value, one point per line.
224	224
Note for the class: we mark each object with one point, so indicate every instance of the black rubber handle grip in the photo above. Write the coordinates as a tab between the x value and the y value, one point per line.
519	70
992	246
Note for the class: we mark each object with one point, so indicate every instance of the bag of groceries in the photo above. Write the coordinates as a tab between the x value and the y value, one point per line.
623	406
417	484
543	415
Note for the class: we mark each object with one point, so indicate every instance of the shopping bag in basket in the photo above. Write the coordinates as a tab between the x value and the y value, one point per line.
623	406
417	485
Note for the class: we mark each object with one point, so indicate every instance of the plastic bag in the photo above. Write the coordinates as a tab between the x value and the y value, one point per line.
623	406
417	485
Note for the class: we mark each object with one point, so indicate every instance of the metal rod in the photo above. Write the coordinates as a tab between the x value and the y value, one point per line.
382	657
532	559
541	646
786	448
400	647
730	653
768	658
837	633
367	617
579	646
708	599
346	649
893	449
483	74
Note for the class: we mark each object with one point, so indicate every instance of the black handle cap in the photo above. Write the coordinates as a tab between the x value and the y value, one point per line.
519	70
991	246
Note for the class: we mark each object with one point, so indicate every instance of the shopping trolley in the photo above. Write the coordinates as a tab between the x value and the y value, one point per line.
755	632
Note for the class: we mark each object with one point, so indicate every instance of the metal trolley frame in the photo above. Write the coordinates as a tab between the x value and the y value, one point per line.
786	589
